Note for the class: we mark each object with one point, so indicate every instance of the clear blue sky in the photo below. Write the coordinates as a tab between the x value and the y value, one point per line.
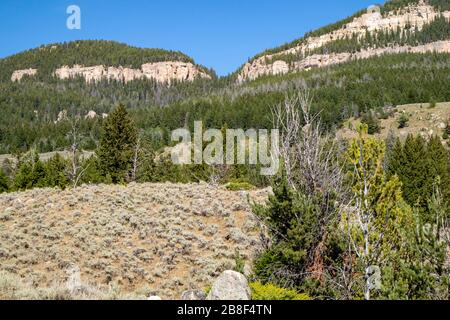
221	34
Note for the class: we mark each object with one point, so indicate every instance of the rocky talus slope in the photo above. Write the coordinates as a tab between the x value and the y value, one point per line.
146	239
413	17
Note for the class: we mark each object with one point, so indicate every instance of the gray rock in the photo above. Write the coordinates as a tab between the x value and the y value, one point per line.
230	285
193	295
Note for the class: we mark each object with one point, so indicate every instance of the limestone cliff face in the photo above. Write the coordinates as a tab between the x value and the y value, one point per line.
323	60
413	16
159	71
19	74
166	71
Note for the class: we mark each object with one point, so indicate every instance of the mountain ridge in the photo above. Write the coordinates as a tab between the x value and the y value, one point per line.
44	61
414	24
349	78
396	23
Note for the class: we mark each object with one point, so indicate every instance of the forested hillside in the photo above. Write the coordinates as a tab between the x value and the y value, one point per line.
42	106
47	58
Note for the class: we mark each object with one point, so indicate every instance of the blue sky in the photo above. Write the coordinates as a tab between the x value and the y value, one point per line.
221	34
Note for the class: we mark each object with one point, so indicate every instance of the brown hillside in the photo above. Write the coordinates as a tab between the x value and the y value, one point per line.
143	238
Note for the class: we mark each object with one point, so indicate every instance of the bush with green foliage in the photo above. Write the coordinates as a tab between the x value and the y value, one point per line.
56	172
403	121
432	104
446	133
372	122
270	291
239	186
4	182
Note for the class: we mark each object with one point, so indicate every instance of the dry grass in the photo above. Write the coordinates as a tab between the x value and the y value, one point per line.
422	120
122	241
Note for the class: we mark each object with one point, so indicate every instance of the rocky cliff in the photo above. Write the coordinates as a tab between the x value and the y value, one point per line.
412	17
260	68
160	71
19	74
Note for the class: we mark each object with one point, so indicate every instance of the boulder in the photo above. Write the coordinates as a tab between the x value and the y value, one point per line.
230	285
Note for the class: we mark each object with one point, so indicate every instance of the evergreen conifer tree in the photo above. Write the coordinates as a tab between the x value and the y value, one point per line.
117	145
4	182
55	172
438	166
414	173
396	159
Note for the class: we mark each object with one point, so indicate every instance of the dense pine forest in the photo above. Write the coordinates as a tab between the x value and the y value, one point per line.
341	92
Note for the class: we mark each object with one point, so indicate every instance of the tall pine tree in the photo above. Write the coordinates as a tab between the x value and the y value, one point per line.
439	166
117	144
414	174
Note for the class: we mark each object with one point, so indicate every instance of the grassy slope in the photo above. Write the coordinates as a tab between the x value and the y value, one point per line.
148	238
422	120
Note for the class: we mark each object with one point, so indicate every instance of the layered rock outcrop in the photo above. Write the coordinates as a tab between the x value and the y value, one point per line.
163	72
19	74
159	71
323	60
412	17
260	68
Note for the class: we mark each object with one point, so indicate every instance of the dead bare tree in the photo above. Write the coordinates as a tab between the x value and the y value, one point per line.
312	167
217	173
308	155
136	158
286	117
